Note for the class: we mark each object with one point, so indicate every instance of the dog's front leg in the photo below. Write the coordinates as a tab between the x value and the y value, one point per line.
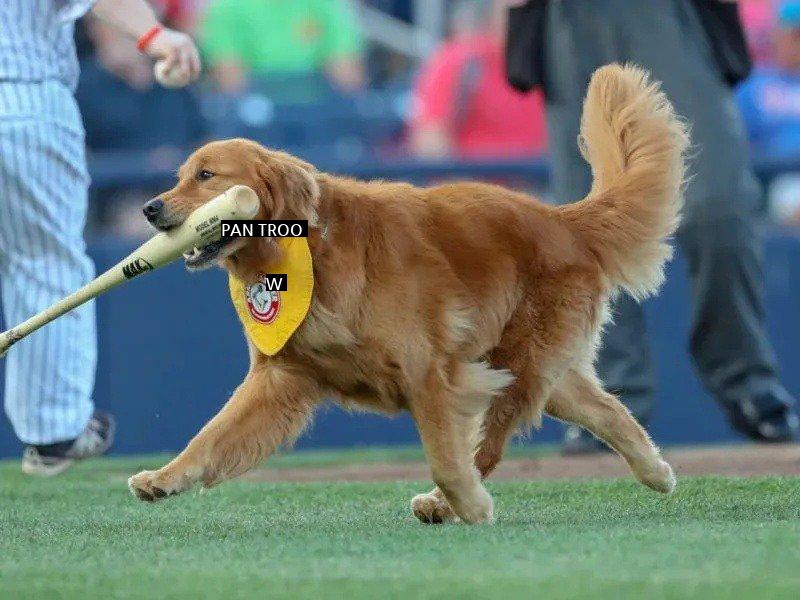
269	408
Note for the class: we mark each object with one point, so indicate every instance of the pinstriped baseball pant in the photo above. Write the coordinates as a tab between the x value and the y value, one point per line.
43	196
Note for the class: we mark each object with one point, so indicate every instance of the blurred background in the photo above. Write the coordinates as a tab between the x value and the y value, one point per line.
398	89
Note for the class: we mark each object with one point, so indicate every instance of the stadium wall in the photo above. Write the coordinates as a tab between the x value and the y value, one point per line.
171	351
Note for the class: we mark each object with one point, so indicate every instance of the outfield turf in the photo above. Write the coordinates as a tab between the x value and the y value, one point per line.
82	535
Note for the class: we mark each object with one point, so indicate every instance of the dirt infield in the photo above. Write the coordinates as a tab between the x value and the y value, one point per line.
745	460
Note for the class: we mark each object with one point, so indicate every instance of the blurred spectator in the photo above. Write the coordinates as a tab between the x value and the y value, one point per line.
180	14
463	105
758	19
770	103
246	39
770	98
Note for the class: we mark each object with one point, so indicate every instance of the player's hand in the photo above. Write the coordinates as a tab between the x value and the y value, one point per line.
178	51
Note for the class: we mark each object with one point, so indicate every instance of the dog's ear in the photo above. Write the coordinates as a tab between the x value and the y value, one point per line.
291	190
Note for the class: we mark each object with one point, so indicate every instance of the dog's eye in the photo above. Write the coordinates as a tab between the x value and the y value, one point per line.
204	175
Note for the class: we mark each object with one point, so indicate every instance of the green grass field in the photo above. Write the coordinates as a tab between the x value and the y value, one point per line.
83	535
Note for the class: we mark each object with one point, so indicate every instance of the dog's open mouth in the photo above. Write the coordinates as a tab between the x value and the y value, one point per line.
201	258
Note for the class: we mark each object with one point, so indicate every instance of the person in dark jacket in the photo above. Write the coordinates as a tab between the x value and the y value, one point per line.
696	50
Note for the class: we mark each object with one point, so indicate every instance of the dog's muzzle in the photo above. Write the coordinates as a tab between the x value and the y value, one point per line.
159	216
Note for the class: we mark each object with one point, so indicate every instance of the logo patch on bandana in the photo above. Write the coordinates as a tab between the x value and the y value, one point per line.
263	304
272	305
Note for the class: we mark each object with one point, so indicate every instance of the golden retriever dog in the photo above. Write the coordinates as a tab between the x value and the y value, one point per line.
473	307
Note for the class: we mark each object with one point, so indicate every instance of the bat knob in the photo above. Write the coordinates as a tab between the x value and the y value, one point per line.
246	200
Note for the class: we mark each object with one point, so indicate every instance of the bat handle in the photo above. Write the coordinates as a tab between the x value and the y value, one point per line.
105	281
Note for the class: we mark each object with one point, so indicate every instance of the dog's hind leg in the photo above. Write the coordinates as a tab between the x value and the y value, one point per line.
519	407
492	430
537	368
448	415
550	330
269	408
581	399
537	359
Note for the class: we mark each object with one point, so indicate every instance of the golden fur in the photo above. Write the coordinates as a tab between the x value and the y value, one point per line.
473	307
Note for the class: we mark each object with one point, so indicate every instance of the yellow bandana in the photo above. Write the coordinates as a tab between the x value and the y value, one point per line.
270	317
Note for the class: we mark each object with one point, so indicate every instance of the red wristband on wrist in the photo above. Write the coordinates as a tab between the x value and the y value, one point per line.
148	36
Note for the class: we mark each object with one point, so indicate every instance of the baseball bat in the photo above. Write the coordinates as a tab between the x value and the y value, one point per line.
201	228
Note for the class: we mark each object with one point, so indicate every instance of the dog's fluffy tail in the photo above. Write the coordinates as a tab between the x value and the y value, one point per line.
635	145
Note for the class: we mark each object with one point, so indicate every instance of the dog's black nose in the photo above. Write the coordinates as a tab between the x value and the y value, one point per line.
153	208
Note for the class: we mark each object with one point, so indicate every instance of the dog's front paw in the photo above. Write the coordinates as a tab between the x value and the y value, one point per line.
433	508
151	486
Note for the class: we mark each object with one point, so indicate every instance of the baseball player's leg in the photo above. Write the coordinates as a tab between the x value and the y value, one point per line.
43	186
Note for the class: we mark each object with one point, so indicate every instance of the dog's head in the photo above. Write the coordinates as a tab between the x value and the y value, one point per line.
286	186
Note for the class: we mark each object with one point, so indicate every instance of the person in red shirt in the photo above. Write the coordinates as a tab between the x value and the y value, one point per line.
463	106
